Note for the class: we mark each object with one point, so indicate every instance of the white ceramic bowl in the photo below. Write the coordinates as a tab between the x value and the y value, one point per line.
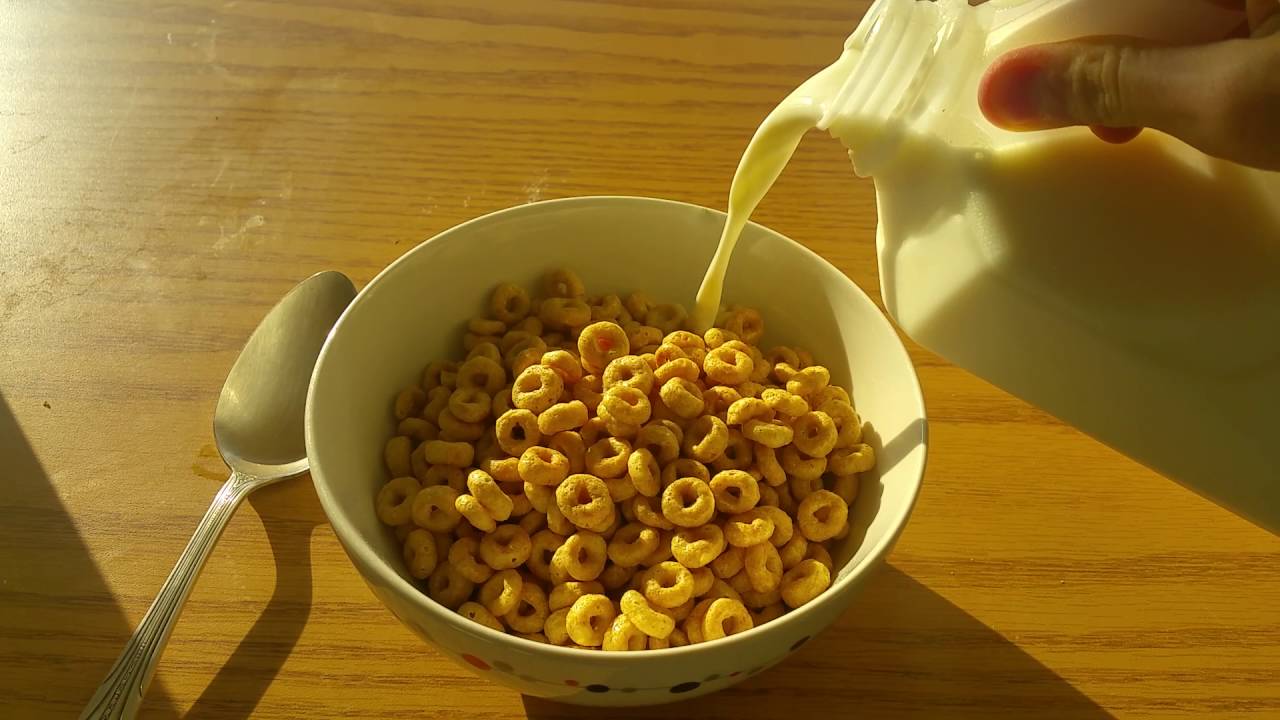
413	312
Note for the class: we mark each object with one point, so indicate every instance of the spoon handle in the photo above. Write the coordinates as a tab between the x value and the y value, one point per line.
120	694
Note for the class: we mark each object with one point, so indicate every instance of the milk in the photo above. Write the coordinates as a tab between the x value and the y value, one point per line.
1132	290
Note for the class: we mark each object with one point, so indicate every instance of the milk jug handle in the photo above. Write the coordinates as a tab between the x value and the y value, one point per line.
1025	22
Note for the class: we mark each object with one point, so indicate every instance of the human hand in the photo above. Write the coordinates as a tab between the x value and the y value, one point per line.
1221	97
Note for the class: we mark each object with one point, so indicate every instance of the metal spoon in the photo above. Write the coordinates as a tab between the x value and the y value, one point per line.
258	428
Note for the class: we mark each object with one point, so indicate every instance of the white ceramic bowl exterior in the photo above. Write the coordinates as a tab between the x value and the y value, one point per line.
414	311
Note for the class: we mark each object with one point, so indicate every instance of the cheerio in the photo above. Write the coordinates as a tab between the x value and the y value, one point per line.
1132	290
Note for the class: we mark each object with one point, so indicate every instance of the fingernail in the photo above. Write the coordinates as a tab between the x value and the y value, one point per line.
1011	93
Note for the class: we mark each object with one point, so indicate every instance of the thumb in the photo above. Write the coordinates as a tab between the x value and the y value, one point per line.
1221	98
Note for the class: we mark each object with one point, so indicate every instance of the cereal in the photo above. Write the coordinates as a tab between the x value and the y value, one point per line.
697	547
395	500
735	491
501	592
625	484
682	397
396	456
667	584
589	619
601	343
530	613
420	553
706	439
433	508
688	502
804	582
542	466
763	566
623	635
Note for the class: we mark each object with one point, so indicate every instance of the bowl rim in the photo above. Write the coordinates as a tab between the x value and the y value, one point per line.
353	542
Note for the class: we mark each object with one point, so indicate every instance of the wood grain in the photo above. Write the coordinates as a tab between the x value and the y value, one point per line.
170	169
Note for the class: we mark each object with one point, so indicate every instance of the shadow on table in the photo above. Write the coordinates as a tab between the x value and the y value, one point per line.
61	629
901	651
290	513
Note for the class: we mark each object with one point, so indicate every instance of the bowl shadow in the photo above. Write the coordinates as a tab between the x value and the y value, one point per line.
900	651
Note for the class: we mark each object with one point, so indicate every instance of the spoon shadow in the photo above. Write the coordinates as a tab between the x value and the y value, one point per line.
290	513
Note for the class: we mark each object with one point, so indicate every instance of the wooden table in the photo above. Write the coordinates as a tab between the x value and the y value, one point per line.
170	169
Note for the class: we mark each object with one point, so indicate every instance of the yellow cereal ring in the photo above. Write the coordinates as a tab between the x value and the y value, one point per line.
643	471
629	371
726	365
793	551
725	617
763	567
420	553
623	635
746	409
845	486
409	402
682	468
564	313
506	547
660	441
537	388
440	452
804	582
589	619
667	584
565	364
632	543
688	502
681	367
738	453
418	429
682	397
706	438
530	613
644	511
851	460
473	510
509	303
735	491
749	528
581	557
542	466
584	500
616	577
809	381
485	489
462	556
747	324
454	429
607	307
501	592
517	431
802	487
570	445
815	434
562	417
667	317
772	434
477	613
501	402
729	562
488	349
470	405
822	515
563	283
589	392
620	488
565	594
448	587
626	405
697	547
555	627
693	623
848	424
600	344
717	399
798	466
433	508
767	462
649	621
608	457
394	504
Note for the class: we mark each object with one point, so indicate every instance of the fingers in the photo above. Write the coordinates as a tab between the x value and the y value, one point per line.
1223	98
